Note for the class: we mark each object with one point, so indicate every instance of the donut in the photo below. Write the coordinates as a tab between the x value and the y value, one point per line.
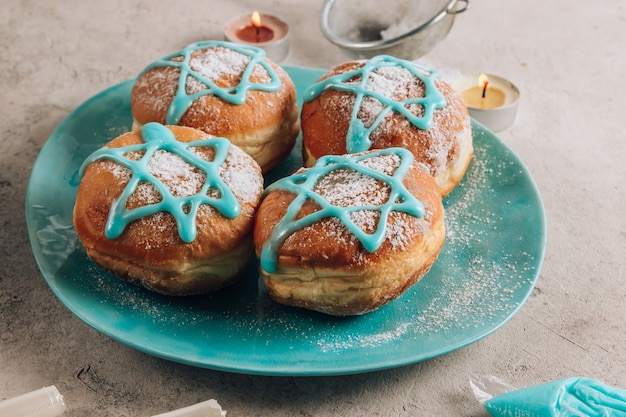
170	208
225	89
349	234
388	102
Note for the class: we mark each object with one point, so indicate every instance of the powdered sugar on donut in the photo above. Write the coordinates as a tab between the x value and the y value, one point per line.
349	188
242	176
391	82
221	64
160	87
182	179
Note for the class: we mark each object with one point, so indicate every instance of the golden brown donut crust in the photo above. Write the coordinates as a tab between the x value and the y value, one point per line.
265	126
323	267
445	148
150	251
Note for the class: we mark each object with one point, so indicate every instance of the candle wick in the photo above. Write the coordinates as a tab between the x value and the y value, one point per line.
485	88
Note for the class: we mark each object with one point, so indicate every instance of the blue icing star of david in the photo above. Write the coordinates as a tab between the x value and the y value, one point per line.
358	137
303	184
234	95
184	209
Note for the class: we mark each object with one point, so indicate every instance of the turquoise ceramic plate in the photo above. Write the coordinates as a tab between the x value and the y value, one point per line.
488	267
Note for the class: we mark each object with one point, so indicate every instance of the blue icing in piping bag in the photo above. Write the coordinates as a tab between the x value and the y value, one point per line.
576	396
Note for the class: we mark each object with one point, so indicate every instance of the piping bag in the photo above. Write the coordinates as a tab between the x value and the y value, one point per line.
576	396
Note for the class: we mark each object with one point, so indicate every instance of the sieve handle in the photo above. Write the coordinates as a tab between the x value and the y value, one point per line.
455	8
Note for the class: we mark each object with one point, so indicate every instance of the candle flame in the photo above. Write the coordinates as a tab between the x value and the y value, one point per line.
483	80
256	19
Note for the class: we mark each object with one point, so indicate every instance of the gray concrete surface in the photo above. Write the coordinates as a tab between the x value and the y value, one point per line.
568	60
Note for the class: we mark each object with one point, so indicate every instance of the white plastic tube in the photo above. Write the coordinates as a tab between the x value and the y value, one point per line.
208	408
44	402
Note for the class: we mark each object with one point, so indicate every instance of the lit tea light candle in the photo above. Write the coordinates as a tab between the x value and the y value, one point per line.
483	96
490	99
255	32
265	31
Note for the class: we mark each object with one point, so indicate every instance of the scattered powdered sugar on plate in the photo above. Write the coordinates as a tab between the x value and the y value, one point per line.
490	279
463	305
364	341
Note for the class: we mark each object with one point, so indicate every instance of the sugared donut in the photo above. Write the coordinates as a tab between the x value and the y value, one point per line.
224	89
387	102
351	233
170	208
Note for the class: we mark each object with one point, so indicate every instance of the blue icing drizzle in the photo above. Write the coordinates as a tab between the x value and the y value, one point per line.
184	209
302	184
358	137
234	95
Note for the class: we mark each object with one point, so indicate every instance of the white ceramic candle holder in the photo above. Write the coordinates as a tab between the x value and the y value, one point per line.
496	118
276	48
